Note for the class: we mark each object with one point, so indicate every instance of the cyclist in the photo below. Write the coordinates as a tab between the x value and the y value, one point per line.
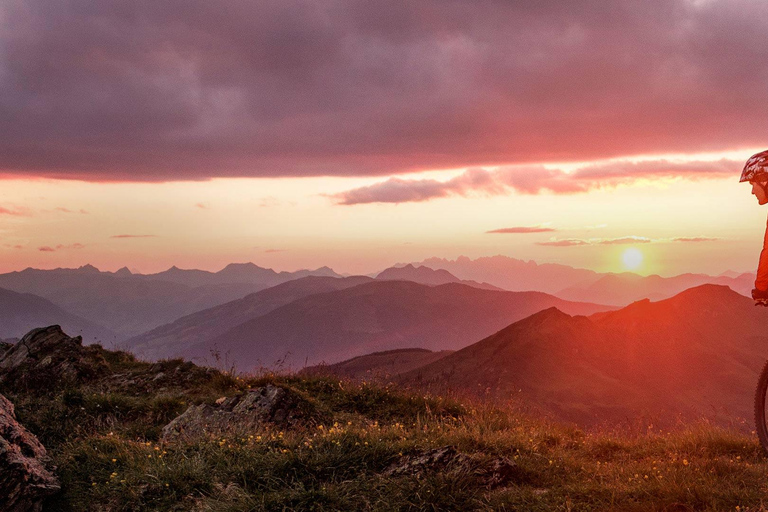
756	173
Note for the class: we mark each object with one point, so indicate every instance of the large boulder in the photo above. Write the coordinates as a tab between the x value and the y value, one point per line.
26	476
255	408
45	357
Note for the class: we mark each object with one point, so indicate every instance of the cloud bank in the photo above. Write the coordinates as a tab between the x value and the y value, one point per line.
522	230
535	180
193	89
624	240
48	248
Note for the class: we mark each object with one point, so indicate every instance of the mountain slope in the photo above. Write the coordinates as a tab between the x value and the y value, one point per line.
376	316
20	312
696	353
173	339
380	366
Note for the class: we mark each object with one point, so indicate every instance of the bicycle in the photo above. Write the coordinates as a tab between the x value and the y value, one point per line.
761	395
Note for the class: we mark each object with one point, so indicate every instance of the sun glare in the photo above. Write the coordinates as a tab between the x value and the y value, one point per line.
632	258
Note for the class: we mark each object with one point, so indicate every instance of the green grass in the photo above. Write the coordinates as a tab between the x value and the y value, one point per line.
105	441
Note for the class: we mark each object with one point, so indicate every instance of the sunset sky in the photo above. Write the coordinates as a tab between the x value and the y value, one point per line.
358	135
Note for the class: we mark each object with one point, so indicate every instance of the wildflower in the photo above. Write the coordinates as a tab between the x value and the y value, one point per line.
114	460
685	462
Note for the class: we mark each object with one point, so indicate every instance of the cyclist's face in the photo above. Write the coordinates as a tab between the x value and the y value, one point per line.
758	190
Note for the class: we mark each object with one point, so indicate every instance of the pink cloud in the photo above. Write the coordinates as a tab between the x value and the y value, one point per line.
523	229
396	190
202	206
624	240
133	236
570	242
694	239
15	211
67	210
274	250
535	180
47	248
371	89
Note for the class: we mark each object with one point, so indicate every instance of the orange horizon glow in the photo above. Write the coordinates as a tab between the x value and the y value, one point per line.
293	223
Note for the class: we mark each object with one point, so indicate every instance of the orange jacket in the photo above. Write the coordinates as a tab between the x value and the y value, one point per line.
761	283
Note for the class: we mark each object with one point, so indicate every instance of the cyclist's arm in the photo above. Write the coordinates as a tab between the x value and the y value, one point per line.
761	283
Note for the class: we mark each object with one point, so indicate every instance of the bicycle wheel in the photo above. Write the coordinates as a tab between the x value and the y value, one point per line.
761	421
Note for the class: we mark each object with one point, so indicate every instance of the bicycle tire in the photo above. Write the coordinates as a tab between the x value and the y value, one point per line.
761	422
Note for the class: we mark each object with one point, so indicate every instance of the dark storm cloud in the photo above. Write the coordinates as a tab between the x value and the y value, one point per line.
193	89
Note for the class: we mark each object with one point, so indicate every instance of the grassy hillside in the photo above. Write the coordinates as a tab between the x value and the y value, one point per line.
104	437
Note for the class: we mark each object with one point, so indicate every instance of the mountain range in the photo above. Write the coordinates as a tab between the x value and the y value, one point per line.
129	304
697	353
373	316
581	284
428	276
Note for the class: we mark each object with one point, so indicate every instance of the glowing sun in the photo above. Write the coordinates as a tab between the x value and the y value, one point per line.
632	258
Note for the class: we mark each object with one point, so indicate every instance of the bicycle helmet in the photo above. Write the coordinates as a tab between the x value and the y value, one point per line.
756	168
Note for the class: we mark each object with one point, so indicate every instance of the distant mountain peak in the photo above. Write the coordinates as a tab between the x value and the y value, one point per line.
124	272
245	270
550	314
708	290
247	264
89	268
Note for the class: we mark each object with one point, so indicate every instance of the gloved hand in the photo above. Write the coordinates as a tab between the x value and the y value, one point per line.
759	294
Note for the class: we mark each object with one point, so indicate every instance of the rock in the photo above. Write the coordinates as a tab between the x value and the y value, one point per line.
26	474
491	474
498	472
437	459
265	405
46	357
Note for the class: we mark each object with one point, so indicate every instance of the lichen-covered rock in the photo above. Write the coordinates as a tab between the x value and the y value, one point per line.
492	473
46	357
26	477
265	405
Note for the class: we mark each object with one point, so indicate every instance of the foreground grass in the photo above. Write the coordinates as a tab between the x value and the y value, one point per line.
105	444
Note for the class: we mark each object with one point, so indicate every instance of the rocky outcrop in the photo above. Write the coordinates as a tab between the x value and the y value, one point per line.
265	405
26	477
161	376
46	357
493	473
